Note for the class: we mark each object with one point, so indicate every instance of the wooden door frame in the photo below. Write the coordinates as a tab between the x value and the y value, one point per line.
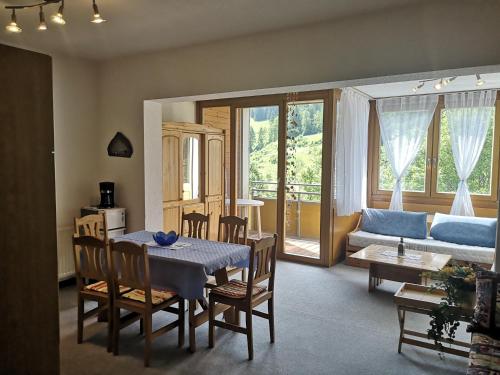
327	168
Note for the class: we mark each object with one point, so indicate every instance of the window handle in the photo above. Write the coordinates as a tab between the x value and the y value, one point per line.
429	162
434	162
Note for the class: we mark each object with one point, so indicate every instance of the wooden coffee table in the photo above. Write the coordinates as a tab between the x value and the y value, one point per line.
384	263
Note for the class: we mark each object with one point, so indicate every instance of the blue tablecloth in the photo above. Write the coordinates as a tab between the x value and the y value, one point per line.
186	270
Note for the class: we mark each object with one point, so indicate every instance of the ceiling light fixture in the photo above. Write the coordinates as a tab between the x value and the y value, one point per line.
58	17
479	80
12	26
439	84
42	26
97	16
419	86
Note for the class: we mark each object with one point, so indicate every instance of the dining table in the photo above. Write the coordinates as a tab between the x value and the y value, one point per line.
185	267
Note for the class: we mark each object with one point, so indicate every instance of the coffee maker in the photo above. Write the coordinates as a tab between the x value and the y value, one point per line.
107	194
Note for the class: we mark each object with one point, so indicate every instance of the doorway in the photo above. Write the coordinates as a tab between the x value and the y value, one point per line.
276	168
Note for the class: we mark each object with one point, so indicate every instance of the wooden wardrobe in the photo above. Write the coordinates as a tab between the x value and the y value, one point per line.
193	173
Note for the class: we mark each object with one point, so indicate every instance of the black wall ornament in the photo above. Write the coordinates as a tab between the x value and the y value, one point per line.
120	146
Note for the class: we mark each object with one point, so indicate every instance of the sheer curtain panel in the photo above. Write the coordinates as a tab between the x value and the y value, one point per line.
351	152
403	125
468	115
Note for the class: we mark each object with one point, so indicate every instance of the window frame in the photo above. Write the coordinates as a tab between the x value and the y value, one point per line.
430	196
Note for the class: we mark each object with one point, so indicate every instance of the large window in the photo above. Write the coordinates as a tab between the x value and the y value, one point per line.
480	180
432	175
415	177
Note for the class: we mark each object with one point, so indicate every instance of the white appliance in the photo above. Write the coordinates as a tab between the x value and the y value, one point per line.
115	219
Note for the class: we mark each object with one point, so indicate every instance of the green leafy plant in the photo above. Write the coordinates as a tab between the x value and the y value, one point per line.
458	283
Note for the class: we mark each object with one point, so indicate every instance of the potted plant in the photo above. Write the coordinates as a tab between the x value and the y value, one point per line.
459	284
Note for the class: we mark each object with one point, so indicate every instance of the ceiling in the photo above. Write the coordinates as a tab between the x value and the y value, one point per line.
464	83
136	26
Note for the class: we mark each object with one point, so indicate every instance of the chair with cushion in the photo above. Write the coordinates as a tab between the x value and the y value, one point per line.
91	263
91	225
245	296
198	225
130	268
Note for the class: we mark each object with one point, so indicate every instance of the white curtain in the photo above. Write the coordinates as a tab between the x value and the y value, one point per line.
403	125
468	115
351	152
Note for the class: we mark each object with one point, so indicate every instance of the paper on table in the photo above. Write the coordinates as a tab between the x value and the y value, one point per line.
175	246
392	253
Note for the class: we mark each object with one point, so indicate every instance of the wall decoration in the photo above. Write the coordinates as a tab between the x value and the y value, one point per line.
120	146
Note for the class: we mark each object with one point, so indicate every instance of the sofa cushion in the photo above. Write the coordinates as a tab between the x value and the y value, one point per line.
467	253
395	223
464	230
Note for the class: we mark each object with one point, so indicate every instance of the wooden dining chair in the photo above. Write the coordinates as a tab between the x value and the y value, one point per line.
245	296
198	225
130	268
92	225
91	257
232	229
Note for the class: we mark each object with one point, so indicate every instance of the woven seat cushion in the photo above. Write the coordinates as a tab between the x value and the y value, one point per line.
157	296
237	289
102	287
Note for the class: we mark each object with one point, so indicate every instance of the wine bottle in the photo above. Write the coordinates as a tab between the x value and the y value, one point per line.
401	248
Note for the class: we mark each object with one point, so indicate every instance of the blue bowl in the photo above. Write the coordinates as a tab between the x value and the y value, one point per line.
165	239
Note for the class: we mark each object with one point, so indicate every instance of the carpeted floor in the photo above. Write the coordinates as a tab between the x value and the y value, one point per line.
326	323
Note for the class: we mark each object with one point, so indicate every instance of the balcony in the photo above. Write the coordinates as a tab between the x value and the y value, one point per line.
302	217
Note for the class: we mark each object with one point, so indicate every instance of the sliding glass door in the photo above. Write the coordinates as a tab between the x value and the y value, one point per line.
277	169
257	174
304	145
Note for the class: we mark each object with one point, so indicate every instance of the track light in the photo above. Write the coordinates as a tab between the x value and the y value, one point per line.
97	16
42	26
439	84
418	87
13	27
479	80
58	17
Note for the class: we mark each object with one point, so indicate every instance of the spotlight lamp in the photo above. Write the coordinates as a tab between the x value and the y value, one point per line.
97	16
479	80
42	26
439	84
57	18
12	26
419	86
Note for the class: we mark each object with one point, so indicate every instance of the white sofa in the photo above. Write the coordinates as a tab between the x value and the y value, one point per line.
359	239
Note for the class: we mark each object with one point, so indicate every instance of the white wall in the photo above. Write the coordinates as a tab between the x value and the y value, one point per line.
179	111
76	138
153	167
419	38
154	114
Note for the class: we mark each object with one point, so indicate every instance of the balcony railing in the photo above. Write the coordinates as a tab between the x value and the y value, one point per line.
301	193
296	195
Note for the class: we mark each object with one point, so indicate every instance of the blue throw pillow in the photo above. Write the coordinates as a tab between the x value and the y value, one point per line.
464	230
395	223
